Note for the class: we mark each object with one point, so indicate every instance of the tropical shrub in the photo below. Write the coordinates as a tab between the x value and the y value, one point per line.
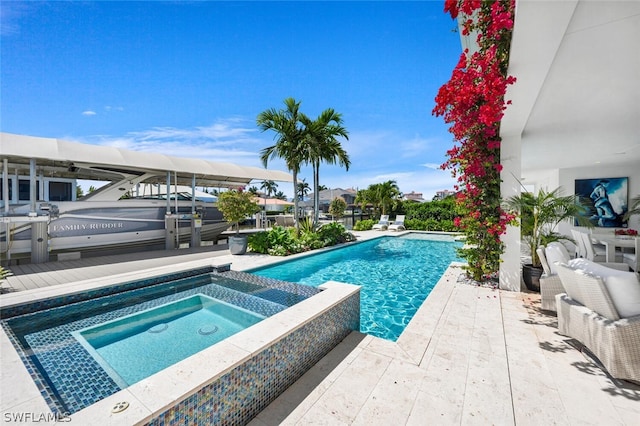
281	241
334	233
337	207
236	205
259	242
364	225
4	273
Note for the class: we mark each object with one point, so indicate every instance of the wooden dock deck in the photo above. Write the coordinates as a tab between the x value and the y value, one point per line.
32	275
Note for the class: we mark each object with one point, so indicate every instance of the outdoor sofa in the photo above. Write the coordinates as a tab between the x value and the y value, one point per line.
601	309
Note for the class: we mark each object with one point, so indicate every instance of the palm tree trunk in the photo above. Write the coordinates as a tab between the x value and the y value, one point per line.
316	194
295	200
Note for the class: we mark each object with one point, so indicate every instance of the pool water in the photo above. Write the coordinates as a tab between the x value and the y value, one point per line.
396	274
139	345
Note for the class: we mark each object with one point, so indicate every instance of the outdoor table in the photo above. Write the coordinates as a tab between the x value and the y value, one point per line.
611	242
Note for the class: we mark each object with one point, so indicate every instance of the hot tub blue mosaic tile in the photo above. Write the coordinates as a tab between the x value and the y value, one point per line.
68	377
238	396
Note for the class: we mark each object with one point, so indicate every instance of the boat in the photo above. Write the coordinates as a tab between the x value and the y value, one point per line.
148	201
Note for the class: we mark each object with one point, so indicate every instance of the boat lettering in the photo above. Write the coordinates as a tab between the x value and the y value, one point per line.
87	226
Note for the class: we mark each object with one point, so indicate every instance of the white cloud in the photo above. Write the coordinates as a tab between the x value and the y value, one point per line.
229	140
415	147
376	156
10	15
88	113
433	166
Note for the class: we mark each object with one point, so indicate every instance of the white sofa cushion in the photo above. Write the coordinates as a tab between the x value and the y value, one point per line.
624	290
623	287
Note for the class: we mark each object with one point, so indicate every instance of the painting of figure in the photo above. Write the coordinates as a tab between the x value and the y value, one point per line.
606	198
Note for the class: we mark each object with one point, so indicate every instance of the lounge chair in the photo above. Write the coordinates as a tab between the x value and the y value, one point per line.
398	224
601	309
382	224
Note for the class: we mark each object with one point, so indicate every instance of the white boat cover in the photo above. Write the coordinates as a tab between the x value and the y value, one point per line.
83	161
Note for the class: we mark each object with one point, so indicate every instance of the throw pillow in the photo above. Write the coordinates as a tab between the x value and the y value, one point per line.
624	290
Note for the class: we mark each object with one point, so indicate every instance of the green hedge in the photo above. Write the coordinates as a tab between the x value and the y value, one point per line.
280	241
429	216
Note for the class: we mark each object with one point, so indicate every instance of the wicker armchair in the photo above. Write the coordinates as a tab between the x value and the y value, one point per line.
587	313
550	283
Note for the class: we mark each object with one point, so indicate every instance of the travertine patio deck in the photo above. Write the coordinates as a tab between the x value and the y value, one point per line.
471	355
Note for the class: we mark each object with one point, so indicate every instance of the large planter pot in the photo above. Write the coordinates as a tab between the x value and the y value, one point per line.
531	276
238	245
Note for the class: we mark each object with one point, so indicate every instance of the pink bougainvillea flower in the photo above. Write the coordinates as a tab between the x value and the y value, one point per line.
472	103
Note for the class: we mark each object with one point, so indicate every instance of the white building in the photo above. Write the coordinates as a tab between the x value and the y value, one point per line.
575	112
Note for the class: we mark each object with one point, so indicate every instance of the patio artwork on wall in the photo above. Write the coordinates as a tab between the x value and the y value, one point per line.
606	198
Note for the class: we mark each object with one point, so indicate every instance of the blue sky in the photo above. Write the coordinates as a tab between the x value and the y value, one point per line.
189	79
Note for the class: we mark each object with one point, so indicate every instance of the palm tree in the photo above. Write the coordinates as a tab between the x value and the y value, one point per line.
540	214
364	197
303	189
269	187
289	136
321	144
387	195
281	196
383	196
253	189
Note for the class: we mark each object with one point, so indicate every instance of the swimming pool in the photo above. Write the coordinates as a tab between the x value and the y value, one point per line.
70	350
396	274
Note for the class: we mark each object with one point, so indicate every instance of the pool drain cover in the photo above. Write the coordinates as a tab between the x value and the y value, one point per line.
206	330
158	328
120	407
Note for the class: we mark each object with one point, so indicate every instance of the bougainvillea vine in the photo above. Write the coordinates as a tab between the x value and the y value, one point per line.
473	102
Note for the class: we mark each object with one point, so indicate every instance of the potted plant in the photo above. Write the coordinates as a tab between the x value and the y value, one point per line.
539	215
235	206
634	209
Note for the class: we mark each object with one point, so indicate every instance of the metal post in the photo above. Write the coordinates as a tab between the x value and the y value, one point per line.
196	222
175	185
39	242
5	197
193	194
32	187
169	221
168	191
5	185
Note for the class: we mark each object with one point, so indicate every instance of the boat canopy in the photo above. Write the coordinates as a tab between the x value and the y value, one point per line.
74	160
